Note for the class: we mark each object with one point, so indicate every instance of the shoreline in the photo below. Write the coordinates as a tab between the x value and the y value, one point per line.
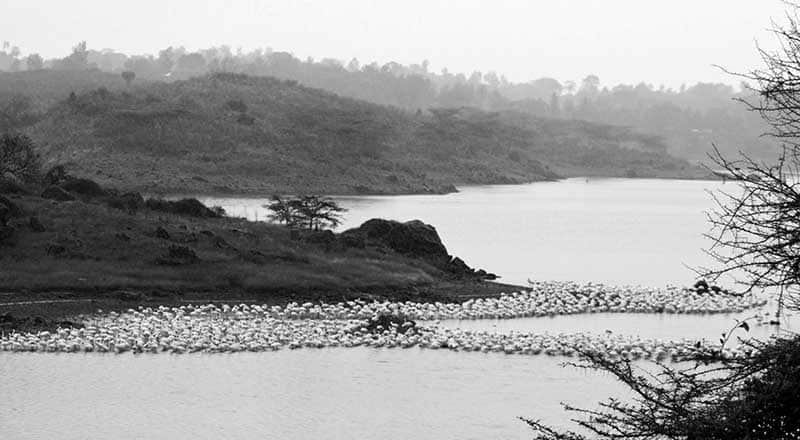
58	304
257	195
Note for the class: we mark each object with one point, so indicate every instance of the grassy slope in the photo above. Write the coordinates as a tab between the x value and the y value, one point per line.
47	87
109	249
186	137
108	260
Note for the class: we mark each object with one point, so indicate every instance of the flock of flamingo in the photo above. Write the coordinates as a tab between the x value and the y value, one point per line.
245	327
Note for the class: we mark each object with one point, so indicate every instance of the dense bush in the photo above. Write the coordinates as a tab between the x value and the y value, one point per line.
752	397
18	157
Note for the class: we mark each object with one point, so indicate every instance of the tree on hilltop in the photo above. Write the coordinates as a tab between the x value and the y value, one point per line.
128	76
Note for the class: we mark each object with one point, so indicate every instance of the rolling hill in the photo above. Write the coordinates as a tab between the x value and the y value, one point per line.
232	133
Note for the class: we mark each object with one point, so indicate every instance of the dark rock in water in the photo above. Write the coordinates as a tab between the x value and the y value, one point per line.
129	202
57	193
189	207
84	187
33	324
381	323
178	255
449	188
413	238
161	233
122	236
35	224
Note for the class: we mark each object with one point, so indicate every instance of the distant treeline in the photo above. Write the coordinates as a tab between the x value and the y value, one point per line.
689	119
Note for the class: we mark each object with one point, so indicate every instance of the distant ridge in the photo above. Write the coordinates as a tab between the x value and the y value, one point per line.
233	133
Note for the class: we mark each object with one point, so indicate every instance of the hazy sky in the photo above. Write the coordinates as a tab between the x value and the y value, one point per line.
660	42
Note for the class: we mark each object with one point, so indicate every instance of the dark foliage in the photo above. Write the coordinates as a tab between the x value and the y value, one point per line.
755	226
189	207
753	397
18	157
755	239
16	112
307	212
688	118
128	76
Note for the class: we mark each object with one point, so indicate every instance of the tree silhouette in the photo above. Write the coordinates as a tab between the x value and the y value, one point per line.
128	76
306	212
34	61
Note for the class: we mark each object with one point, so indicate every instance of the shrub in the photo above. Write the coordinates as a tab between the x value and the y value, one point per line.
190	207
18	157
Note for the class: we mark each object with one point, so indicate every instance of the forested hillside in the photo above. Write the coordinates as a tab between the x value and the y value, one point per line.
232	133
689	118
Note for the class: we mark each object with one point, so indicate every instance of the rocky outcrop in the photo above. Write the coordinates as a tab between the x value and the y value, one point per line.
414	239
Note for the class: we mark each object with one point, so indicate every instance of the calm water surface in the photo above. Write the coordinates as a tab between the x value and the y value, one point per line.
618	231
290	394
609	230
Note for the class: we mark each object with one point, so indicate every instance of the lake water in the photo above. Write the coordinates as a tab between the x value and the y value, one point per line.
618	231
611	230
